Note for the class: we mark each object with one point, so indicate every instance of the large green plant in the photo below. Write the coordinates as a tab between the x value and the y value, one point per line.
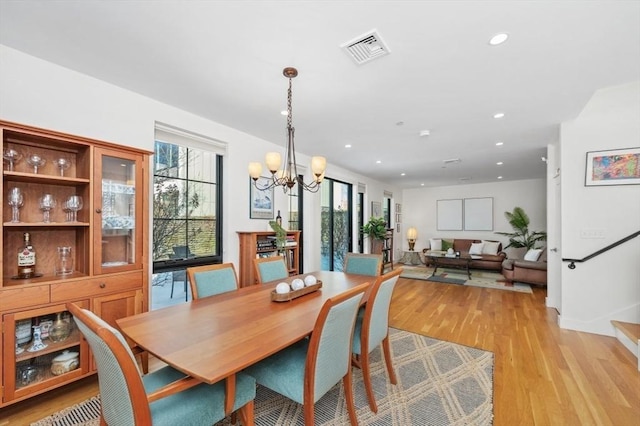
376	228
521	237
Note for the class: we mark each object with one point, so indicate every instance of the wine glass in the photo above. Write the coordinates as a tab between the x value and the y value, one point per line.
11	156
66	210
36	161
47	202
63	164
74	204
16	200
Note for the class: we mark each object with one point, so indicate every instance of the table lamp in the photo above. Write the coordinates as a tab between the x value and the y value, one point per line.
412	235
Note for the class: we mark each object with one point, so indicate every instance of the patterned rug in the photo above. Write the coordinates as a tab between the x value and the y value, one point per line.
439	383
486	279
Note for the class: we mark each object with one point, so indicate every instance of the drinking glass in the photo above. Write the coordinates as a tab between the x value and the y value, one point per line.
74	204
47	202
36	161
62	164
16	201
11	156
66	210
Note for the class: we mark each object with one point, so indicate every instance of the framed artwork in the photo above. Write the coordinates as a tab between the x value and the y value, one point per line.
260	202
614	167
478	214
449	215
397	227
398	208
398	218
376	209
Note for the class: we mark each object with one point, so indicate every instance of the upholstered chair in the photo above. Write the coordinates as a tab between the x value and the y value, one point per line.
163	397
209	280
363	264
372	330
308	369
270	269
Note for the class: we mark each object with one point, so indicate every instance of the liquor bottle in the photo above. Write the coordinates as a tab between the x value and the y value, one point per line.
26	259
279	219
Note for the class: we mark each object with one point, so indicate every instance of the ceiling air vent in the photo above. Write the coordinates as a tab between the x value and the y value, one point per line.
451	161
366	47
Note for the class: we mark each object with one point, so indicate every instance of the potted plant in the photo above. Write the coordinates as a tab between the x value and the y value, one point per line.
376	230
281	234
521	237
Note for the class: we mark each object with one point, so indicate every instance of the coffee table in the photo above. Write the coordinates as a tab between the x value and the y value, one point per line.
451	261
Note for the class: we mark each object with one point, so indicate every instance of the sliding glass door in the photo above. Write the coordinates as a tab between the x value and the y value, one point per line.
336	220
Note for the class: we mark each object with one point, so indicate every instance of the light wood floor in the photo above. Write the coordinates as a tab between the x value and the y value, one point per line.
543	375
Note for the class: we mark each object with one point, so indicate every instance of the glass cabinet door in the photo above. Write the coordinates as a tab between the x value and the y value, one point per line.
118	208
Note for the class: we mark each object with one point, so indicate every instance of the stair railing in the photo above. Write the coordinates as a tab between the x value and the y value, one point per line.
572	264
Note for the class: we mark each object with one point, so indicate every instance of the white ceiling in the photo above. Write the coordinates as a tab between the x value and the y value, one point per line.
223	60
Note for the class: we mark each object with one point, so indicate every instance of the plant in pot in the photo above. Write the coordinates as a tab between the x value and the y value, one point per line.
281	234
521	236
376	230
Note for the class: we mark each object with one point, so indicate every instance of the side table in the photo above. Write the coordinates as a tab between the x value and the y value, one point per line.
410	258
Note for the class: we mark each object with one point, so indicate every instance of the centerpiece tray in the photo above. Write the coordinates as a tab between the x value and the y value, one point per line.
294	294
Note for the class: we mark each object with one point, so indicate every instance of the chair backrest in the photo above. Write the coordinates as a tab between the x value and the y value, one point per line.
181	252
270	268
363	264
122	394
329	355
209	280
375	323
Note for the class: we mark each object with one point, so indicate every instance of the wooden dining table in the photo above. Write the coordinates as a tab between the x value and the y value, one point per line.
212	338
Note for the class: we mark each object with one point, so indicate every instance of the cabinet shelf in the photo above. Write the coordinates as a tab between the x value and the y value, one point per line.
69	342
45	179
45	225
251	247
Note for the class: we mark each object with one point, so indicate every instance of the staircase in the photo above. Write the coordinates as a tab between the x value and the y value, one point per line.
629	335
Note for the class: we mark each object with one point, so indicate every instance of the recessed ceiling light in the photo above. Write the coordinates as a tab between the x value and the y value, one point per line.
498	115
403	174
499	143
284	112
425	132
348	145
498	39
499	163
422	184
499	177
379	162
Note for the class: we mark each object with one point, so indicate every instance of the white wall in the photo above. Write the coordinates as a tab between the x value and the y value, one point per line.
42	94
419	209
607	286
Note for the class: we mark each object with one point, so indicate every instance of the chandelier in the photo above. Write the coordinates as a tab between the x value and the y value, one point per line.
287	177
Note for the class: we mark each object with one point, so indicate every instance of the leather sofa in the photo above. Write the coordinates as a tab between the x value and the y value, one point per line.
485	261
526	271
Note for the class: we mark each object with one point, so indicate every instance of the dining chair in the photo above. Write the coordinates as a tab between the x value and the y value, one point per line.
163	397
270	268
363	264
308	369
209	280
372	330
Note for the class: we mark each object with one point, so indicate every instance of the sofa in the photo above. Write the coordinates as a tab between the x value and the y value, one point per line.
517	269
486	256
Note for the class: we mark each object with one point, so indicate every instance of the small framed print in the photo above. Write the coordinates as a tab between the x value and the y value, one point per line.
376	209
260	201
398	208
613	167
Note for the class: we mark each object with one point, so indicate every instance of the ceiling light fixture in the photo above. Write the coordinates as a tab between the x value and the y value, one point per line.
288	177
498	39
499	143
425	133
498	115
499	177
403	174
499	163
378	161
348	145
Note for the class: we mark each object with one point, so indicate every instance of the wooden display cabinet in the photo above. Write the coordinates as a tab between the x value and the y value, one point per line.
108	250
387	251
262	244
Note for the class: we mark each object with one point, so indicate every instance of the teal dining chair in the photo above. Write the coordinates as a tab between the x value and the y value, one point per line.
372	330
163	397
270	269
363	264
209	280
308	369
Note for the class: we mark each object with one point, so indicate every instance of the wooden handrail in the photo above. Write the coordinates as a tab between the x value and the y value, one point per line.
572	264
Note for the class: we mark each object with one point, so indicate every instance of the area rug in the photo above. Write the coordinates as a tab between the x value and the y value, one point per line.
486	279
439	383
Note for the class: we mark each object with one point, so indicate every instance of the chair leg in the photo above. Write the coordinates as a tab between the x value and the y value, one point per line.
348	394
246	414
387	358
308	413
366	377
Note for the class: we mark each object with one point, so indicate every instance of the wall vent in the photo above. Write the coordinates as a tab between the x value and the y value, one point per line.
366	47
451	161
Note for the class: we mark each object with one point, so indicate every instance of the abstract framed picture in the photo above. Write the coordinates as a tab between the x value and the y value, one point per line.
376	209
260	202
613	167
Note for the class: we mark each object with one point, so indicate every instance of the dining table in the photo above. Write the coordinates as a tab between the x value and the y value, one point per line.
213	338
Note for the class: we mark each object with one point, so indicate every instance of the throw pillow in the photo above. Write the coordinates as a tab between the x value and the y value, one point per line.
490	247
476	248
435	244
446	245
533	255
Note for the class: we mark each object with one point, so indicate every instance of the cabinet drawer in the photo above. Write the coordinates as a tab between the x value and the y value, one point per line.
23	297
96	286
